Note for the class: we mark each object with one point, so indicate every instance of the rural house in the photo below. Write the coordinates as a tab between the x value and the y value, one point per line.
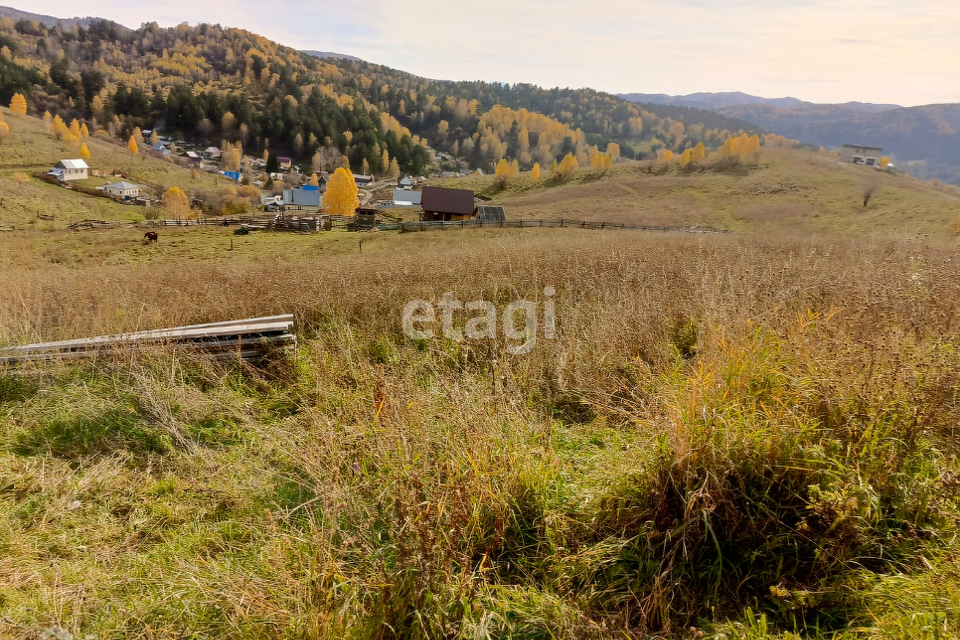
406	197
300	198
362	180
123	190
161	148
285	163
859	154
211	153
447	204
193	157
68	170
405	182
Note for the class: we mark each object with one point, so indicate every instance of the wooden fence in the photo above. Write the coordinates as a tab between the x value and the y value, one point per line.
312	224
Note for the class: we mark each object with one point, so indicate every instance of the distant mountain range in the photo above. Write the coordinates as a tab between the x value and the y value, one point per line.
49	21
922	140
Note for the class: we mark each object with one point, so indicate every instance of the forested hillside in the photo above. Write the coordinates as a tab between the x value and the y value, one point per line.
207	83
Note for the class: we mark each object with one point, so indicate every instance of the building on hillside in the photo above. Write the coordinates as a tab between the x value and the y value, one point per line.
123	190
362	180
447	204
212	153
301	198
859	154
406	197
193	157
285	163
68	170
162	149
405	182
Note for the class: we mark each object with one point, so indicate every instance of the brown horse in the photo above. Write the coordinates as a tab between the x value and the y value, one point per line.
150	236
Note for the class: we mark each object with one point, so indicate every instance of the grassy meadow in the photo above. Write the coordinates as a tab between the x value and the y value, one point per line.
743	435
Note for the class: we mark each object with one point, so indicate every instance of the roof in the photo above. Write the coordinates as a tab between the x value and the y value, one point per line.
491	213
192	155
212	150
301	197
74	164
440	200
864	146
122	185
283	159
406	195
359	177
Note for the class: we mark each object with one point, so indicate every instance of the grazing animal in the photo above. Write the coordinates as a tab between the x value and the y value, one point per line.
150	236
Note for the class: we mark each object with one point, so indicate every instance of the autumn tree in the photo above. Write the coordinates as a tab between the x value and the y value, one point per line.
884	162
686	158
698	154
84	151
667	156
502	173
176	204
568	167
613	150
535	172
20	178
18	105
132	146
314	180
340	198
394	169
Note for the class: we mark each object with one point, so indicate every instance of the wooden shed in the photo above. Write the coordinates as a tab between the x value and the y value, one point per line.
447	204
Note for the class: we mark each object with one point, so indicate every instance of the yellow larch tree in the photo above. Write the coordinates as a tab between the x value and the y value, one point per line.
18	105
667	155
314	180
613	150
568	166
699	153
84	151
340	198
884	162
176	204
75	128
535	172
686	157
132	146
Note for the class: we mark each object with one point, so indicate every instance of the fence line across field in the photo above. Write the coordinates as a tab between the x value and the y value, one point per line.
313	224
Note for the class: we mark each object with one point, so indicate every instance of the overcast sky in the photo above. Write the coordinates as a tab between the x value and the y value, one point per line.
819	50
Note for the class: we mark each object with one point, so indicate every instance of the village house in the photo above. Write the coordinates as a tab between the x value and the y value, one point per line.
308	197
211	153
161	148
405	182
860	154
193	157
362	180
123	190
406	197
68	170
447	204
285	163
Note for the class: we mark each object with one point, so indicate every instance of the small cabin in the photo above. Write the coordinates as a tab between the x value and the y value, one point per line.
123	190
861	154
68	170
447	204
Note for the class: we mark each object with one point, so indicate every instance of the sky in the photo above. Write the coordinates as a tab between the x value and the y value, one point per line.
884	51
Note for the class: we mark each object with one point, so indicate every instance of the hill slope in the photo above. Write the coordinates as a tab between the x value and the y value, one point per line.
789	191
48	21
209	84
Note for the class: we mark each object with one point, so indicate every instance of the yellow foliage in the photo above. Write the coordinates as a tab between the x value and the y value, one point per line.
18	105
667	155
4	130
314	181
698	154
132	146
686	157
84	151
535	172
340	198
176	204
568	166
884	162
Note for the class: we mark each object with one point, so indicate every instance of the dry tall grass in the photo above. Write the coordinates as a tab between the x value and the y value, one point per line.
751	436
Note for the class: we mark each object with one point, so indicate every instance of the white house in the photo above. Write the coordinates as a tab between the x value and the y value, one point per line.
124	190
71	170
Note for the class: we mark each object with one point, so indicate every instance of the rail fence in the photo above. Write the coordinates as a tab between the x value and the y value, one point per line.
313	224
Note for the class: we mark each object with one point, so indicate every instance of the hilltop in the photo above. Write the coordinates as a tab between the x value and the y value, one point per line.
48	21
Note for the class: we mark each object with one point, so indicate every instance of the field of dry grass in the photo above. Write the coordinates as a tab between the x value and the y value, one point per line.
788	192
749	435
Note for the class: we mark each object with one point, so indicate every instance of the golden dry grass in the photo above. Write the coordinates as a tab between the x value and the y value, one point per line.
725	426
